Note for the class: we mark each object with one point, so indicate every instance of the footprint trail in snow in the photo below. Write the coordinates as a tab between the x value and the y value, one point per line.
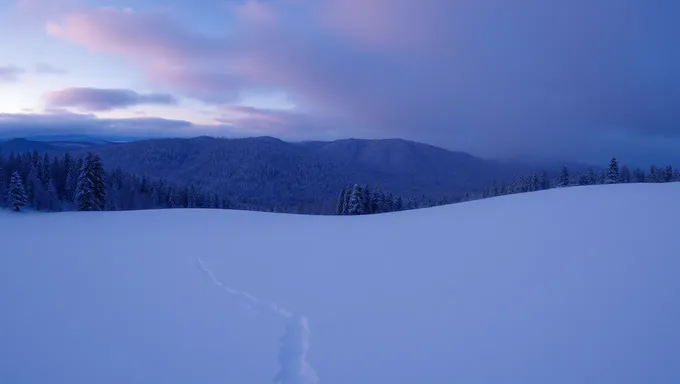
294	367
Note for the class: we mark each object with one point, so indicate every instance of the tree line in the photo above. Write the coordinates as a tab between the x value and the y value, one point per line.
361	200
82	184
612	174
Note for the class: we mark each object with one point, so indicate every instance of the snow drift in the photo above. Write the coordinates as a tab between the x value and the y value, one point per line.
575	285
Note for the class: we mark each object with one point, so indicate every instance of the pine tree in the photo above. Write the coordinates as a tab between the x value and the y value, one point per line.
398	204
377	201
592	177
16	194
340	206
668	174
2	181
564	178
52	197
367	200
91	188
545	181
653	176
535	183
388	202
625	175
356	204
345	203
612	172
72	177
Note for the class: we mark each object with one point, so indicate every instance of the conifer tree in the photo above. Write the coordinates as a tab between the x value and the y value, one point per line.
545	181
564	177
2	182
340	206
91	188
16	194
612	172
345	203
592	177
625	175
668	174
398	204
356	204
366	199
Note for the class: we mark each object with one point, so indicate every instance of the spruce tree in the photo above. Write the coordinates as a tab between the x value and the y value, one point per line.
625	175
98	183
340	206
345	203
91	188
545	181
2	182
592	177
366	200
564	177
398	204
612	172
668	174
84	194
16	193
356	203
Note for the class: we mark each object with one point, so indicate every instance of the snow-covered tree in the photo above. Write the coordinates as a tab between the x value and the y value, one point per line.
613	176
398	204
377	201
16	194
625	176
366	199
356	203
340	206
545	181
592	177
91	188
564	179
668	174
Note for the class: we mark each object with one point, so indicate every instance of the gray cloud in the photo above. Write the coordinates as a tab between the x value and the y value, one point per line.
10	74
59	122
95	99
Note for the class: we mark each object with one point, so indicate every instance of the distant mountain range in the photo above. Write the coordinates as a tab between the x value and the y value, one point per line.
265	172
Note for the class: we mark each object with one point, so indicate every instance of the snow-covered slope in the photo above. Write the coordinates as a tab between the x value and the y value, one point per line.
577	285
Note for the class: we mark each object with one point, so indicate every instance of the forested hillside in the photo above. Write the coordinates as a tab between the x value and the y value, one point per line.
272	175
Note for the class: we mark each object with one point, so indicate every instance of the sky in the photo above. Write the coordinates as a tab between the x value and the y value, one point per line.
568	79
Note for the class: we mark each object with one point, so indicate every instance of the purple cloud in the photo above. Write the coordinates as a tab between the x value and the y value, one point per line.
94	99
492	77
58	122
9	74
48	69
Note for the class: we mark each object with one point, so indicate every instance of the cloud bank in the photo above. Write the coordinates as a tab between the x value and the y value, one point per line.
94	99
57	122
